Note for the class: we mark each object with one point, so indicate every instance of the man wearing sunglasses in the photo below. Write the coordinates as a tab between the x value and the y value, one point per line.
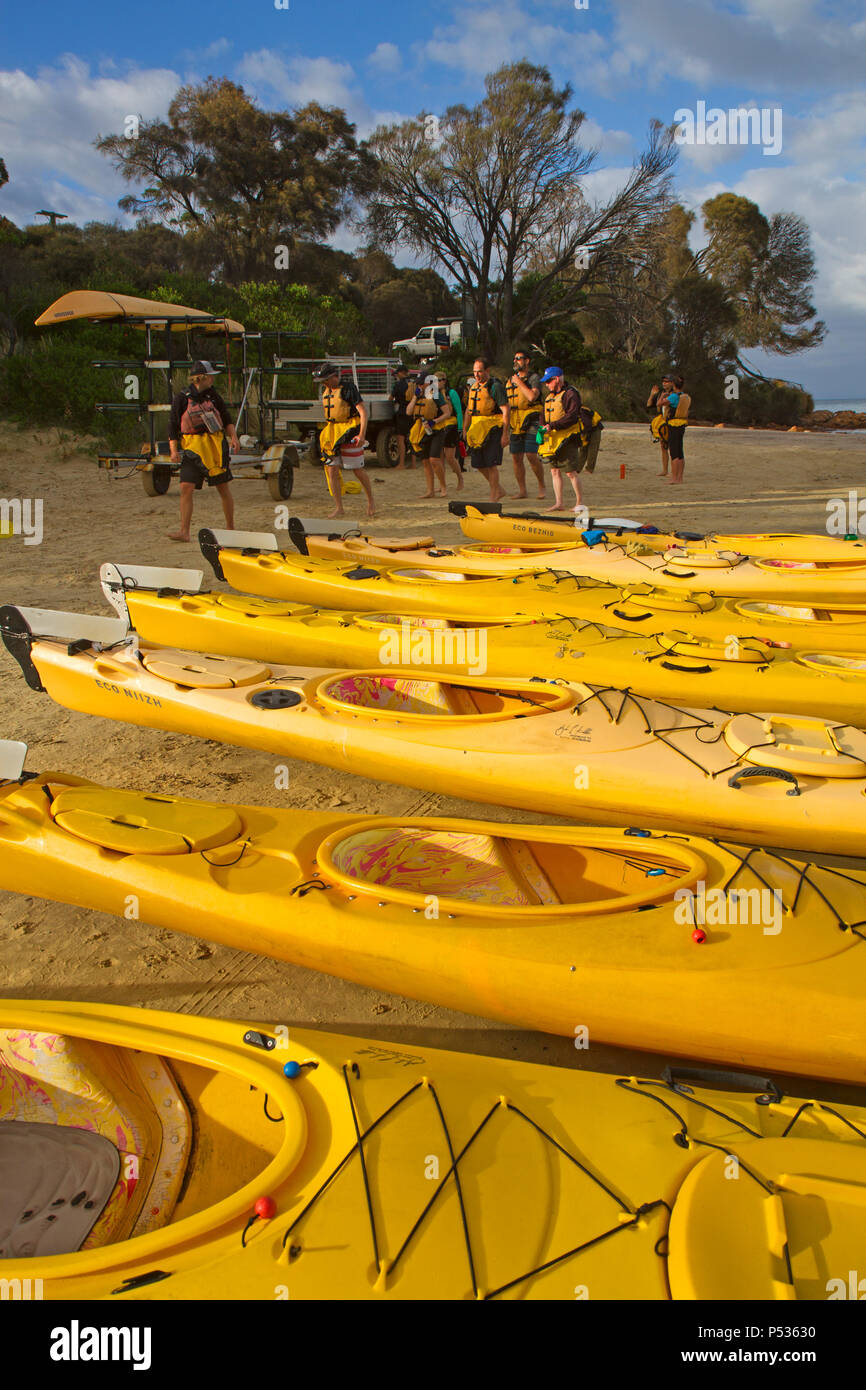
524	397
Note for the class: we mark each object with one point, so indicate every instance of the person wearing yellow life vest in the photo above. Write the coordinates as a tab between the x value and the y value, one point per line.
567	439
676	413
524	396
486	421
431	414
345	424
655	404
200	435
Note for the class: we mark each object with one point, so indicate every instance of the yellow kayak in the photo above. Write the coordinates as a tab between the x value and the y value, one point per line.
745	674
393	1173
251	563
667	942
572	750
178	614
485	522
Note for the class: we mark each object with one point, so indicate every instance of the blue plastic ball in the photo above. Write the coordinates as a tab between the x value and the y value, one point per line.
291	1070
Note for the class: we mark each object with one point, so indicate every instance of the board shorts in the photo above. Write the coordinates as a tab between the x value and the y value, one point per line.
488	454
193	470
402	426
525	442
676	437
449	436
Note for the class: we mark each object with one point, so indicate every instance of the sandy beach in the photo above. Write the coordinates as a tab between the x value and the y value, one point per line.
736	480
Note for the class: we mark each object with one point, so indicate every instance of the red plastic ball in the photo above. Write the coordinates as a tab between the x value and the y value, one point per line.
699	936
266	1207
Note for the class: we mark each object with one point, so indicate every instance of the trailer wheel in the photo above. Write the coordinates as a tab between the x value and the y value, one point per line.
387	448
157	480
280	484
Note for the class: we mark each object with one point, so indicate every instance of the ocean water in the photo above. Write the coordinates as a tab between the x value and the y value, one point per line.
859	405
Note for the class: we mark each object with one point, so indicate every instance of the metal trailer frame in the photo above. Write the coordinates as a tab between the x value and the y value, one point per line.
275	464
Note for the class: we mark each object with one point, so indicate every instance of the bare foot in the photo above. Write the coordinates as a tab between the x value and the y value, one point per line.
664	473
338	512
425	495
520	494
541	496
177	536
371	511
557	507
460	483
443	493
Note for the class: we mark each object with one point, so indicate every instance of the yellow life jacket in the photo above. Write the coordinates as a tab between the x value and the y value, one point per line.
481	402
554	438
335	407
481	416
522	414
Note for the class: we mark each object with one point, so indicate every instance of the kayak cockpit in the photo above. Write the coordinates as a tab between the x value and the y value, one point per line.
96	1143
471	867
404	695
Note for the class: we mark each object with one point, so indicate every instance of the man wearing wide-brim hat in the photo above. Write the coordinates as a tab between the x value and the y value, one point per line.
200	435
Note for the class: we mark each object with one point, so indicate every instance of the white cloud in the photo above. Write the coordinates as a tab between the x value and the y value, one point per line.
484	37
771	45
298	80
49	123
385	58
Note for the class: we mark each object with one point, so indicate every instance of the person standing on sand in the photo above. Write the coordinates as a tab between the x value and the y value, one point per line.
676	412
486	421
345	424
562	445
431	413
401	420
524	397
655	404
200	435
452	430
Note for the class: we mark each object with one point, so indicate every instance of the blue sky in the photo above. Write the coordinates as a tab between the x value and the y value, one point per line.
70	73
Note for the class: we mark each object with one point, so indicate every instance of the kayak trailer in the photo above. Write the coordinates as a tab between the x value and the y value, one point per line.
160	321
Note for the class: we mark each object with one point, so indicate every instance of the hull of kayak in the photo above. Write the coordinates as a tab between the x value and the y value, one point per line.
583	751
418	585
269	628
532	529
745	674
446	1146
723	573
539	926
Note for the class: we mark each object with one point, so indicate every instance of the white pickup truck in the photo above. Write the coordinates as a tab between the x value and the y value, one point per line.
431	339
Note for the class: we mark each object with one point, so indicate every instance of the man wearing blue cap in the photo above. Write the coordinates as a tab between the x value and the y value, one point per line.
563	427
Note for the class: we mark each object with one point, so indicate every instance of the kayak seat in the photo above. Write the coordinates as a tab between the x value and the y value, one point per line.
54	1185
71	1086
454	864
394	696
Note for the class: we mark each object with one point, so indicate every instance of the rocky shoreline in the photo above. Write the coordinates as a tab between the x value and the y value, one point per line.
834	420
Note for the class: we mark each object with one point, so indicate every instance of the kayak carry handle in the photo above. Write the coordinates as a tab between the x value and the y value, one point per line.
691	670
745	1080
782	773
631	617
